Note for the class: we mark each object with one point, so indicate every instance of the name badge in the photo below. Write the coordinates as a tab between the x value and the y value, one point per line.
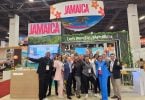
89	70
99	71
47	67
99	68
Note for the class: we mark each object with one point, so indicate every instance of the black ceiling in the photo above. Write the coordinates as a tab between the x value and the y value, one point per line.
38	11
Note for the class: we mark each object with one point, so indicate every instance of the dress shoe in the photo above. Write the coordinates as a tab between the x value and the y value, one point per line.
56	93
48	94
68	97
114	97
78	96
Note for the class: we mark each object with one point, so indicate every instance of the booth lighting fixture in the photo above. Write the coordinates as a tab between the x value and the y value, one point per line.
111	27
141	18
31	0
123	30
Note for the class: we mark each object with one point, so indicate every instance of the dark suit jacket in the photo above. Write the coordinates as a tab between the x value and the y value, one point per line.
66	71
116	69
42	65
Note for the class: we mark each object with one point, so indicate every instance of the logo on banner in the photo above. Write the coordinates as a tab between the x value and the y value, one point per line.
43	29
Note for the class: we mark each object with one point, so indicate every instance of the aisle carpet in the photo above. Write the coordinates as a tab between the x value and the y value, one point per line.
4	88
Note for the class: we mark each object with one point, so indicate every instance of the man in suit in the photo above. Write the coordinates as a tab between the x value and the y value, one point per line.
115	67
44	72
68	76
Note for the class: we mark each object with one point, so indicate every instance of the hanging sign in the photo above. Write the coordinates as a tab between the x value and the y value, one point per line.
77	8
78	15
44	29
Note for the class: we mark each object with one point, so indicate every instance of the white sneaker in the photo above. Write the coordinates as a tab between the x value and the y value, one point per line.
98	95
95	95
86	96
45	99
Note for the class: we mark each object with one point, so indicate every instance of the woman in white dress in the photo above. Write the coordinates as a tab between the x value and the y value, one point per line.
58	65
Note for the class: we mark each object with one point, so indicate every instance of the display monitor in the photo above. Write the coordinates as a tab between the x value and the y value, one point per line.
80	51
37	51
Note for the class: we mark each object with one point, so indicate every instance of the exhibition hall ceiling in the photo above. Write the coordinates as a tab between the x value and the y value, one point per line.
38	11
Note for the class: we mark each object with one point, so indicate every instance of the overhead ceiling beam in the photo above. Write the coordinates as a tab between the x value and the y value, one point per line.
45	3
18	11
25	10
113	19
29	17
3	28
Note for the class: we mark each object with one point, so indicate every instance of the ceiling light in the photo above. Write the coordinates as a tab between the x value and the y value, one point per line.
123	30
111	27
31	0
142	17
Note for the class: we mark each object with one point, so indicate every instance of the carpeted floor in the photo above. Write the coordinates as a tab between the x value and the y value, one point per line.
4	88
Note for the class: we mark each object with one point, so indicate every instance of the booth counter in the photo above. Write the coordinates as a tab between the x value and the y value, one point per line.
6	75
24	84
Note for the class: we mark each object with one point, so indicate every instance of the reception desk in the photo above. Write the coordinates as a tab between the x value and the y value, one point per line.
139	82
24	84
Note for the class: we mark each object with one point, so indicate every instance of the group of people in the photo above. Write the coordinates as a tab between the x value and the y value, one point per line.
77	72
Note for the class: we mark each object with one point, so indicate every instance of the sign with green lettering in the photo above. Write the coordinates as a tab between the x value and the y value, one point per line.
85	38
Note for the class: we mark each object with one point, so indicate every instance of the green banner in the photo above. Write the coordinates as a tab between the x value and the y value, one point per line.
85	38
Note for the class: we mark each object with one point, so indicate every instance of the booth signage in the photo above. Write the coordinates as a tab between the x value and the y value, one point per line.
84	38
43	29
77	8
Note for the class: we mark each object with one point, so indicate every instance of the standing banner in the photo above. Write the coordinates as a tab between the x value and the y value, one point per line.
43	37
44	33
43	29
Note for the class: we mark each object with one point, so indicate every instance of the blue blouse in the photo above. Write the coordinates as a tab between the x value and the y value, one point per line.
104	69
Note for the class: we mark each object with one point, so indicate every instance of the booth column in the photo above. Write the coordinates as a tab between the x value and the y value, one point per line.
14	31
134	34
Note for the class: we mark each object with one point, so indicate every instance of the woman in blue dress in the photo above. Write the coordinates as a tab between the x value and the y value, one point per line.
102	73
